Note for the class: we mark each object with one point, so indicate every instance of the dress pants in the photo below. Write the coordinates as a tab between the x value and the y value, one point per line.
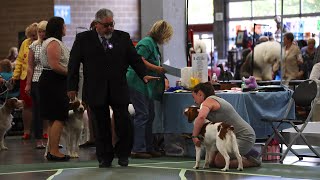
102	128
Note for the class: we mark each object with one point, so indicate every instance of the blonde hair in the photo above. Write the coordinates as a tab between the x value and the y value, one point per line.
161	32
41	26
311	41
5	66
31	29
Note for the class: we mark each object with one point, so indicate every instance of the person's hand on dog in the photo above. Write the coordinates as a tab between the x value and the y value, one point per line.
196	142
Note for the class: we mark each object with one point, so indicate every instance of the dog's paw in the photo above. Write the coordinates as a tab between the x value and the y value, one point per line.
3	148
225	169
74	155
206	166
240	168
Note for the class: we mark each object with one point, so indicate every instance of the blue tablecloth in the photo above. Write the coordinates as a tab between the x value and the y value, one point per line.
252	107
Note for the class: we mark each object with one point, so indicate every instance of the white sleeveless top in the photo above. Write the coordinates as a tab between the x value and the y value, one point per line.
65	53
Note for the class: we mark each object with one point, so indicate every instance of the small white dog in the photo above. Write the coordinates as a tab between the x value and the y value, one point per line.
6	118
215	136
72	130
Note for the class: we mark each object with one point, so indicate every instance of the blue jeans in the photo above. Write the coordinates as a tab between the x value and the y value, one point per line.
142	122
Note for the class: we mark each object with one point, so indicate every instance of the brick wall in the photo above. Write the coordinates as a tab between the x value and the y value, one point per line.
16	15
126	16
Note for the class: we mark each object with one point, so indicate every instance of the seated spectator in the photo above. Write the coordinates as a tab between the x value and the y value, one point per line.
12	56
5	75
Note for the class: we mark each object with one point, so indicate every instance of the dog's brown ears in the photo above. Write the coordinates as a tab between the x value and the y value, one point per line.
10	103
74	105
84	105
191	113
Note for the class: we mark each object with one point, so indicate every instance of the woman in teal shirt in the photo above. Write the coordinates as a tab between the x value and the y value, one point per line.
142	95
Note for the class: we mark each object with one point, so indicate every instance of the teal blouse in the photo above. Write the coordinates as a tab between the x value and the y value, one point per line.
148	49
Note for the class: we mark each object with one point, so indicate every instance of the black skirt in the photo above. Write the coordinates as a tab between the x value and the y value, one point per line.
54	102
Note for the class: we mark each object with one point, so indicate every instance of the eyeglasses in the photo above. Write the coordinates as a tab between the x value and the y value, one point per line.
106	25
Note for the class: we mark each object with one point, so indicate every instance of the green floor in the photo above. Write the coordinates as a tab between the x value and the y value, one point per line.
166	167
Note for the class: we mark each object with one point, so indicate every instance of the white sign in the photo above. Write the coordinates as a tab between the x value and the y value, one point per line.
63	11
219	16
200	66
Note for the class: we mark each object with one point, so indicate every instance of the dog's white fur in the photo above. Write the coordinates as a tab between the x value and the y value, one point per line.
6	118
213	142
267	57
73	127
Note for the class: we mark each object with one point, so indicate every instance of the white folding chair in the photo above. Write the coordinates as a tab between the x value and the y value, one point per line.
305	95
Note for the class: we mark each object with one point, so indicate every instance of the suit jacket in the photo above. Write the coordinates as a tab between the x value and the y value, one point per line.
104	71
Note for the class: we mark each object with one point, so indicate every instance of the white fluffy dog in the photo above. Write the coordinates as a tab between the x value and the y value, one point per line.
267	57
215	137
6	118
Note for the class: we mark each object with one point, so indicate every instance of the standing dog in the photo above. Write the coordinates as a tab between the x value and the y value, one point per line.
72	130
6	118
215	136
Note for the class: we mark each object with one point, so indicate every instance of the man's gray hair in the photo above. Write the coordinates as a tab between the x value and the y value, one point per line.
102	13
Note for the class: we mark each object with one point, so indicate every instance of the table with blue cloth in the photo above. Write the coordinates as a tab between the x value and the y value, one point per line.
251	106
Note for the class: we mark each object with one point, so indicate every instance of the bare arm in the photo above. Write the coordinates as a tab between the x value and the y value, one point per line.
208	105
30	70
30	66
54	54
153	67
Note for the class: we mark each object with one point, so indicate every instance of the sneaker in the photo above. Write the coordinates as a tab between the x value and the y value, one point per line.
256	161
40	146
26	136
141	155
155	154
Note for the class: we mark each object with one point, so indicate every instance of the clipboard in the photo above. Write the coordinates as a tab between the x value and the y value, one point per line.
172	70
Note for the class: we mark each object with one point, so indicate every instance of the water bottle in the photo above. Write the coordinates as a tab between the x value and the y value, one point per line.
243	84
214	78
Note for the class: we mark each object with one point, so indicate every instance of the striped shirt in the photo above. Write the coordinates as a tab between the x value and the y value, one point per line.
36	48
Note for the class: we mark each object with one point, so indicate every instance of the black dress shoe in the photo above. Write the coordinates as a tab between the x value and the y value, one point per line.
51	157
105	165
123	161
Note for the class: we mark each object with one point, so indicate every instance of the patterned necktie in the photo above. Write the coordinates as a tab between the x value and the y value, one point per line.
104	43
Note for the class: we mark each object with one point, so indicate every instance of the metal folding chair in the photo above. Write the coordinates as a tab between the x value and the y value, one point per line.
305	95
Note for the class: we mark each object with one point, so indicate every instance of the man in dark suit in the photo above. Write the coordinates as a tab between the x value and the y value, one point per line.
106	54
